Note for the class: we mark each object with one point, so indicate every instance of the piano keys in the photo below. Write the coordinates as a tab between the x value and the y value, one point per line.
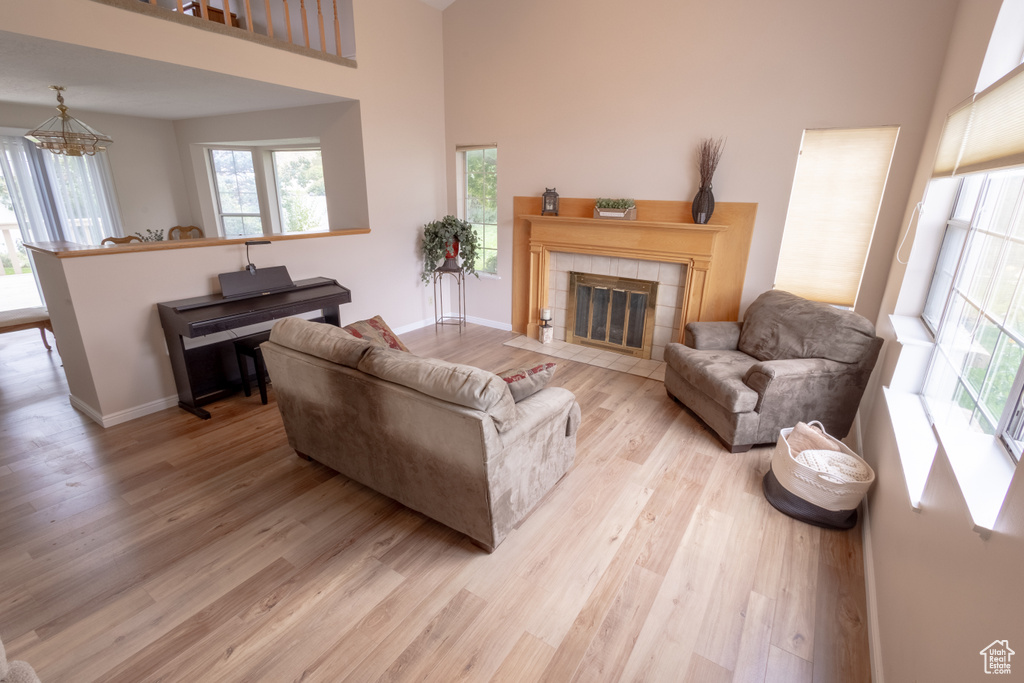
207	372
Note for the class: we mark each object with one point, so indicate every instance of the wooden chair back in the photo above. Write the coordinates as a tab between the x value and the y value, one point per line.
122	240
185	232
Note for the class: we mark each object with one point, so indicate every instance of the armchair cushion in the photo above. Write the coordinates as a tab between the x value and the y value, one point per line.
320	340
780	325
720	374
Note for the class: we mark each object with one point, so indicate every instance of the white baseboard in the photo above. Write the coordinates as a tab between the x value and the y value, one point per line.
507	327
871	590
122	415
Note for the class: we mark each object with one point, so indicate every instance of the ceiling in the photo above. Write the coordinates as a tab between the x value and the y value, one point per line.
439	4
103	81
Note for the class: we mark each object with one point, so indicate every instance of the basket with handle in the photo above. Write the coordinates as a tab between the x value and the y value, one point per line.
833	478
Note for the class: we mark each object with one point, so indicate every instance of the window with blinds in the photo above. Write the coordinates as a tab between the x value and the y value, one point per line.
837	191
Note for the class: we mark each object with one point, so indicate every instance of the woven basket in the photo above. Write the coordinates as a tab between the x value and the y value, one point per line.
831	479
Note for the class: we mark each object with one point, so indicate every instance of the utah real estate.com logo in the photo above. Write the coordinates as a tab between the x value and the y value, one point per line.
997	657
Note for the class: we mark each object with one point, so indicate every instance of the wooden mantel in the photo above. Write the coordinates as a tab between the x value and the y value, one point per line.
715	254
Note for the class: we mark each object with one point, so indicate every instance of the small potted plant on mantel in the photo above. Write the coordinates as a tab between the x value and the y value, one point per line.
448	239
622	209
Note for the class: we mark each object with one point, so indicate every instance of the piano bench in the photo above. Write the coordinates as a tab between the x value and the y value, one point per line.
250	347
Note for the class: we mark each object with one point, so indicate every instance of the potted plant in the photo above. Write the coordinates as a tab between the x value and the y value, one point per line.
449	238
615	208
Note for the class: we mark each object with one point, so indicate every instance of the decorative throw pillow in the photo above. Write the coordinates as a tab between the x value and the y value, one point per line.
376	331
525	382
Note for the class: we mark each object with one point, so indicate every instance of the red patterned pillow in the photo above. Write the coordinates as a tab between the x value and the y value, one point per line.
524	382
376	331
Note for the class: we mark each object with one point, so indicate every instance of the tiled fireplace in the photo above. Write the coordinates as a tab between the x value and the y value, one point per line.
671	279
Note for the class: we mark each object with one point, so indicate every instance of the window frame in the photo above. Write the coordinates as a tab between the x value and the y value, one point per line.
1008	426
267	194
462	202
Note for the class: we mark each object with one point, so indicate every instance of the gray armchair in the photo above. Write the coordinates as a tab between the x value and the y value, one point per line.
790	360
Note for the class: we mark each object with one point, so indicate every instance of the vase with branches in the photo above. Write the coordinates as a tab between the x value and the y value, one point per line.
709	152
449	238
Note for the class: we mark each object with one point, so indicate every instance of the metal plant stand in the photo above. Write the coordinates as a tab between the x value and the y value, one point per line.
449	267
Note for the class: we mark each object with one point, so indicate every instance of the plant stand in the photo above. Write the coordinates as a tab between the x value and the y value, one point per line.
451	268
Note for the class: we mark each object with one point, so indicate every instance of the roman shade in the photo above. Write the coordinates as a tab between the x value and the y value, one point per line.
837	191
986	132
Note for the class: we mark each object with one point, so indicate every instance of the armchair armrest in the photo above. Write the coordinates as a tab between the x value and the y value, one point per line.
801	375
713	335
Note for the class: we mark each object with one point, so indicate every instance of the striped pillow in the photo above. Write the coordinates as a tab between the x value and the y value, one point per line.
525	382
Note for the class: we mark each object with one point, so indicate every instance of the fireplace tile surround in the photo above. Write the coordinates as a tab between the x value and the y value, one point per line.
671	279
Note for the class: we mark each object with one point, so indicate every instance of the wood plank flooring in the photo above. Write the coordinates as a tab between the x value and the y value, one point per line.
175	549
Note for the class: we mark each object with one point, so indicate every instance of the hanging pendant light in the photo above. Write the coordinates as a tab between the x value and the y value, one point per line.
64	134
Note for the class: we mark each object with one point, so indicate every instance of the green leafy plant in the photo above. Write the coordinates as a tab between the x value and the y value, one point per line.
620	204
439	234
151	236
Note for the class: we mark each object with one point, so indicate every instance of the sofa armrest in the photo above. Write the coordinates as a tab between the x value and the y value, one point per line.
712	335
534	412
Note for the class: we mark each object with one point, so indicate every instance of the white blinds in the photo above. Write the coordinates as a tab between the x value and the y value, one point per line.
987	132
837	191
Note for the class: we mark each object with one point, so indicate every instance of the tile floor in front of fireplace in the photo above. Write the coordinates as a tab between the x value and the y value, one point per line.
651	369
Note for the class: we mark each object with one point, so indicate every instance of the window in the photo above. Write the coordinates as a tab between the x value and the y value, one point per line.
238	205
478	201
260	190
837	191
302	200
976	307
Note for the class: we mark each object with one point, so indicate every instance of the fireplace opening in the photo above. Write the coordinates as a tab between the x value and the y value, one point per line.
611	313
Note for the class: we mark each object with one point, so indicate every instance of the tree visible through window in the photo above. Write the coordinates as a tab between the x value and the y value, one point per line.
238	203
480	206
300	190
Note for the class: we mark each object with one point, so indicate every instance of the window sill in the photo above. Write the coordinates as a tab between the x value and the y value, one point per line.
915	440
983	470
484	275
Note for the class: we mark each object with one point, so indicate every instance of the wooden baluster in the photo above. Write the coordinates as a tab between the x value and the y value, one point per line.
227	13
202	9
337	30
181	8
288	20
270	22
305	22
248	15
152	2
320	20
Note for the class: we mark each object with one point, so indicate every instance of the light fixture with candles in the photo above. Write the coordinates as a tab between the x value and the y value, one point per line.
64	134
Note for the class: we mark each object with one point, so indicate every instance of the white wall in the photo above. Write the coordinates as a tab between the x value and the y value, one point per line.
143	161
942	592
605	98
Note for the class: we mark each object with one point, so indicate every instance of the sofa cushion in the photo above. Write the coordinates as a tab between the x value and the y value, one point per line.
463	385
321	340
719	374
780	326
525	382
377	332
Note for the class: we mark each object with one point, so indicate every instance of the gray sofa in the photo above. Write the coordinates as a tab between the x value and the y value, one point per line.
441	438
790	360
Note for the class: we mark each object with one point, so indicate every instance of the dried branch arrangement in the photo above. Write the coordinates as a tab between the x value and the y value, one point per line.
709	151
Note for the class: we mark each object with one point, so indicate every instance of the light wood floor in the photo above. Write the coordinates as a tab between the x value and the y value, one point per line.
175	549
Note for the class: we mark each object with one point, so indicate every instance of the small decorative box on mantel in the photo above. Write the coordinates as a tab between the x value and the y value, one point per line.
620	209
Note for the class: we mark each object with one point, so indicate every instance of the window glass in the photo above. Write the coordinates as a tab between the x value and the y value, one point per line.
237	199
299	176
480	206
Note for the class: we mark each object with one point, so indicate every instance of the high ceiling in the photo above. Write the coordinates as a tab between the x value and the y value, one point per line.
98	80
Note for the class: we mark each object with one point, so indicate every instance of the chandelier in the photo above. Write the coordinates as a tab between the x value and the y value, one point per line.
64	134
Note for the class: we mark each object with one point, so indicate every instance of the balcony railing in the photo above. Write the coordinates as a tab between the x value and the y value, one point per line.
318	28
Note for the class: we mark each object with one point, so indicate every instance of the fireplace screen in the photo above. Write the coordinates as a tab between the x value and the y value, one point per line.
613	313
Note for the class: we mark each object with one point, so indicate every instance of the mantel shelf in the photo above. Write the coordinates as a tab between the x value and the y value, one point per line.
617	223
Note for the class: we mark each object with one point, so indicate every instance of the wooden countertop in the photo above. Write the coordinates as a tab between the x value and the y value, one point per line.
73	249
